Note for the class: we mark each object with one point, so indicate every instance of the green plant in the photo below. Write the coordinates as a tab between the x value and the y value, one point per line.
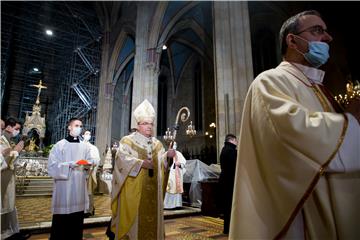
46	150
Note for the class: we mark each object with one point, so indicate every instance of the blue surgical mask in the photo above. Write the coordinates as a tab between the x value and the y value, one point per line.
318	53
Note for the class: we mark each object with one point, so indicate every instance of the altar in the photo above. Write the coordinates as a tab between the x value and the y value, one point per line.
197	175
31	166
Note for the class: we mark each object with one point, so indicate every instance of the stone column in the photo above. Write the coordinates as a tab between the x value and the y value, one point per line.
233	65
145	82
105	98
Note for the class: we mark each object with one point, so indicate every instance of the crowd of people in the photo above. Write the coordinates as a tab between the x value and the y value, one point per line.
293	172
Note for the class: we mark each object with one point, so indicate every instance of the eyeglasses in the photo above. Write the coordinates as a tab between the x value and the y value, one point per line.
315	30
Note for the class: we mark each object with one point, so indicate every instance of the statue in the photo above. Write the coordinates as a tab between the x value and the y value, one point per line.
32	147
35	121
108	160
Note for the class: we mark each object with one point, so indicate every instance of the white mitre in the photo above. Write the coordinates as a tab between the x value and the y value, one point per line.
145	112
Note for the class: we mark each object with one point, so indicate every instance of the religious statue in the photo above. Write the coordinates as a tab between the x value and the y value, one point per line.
32	147
35	122
108	160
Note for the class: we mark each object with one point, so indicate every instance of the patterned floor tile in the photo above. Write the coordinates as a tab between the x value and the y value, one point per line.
32	210
202	228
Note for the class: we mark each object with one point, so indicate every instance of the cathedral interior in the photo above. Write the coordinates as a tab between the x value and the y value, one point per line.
99	59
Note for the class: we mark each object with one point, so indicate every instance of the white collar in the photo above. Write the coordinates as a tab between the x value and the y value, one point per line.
314	74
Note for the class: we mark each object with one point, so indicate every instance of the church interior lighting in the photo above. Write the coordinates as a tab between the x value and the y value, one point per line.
49	32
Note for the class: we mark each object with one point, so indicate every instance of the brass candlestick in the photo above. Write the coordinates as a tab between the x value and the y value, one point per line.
352	92
184	115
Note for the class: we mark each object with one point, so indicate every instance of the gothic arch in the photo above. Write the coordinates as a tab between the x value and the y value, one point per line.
187	24
120	41
173	22
156	23
122	67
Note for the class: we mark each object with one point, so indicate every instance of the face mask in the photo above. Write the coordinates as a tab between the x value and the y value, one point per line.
76	131
15	133
87	137
318	53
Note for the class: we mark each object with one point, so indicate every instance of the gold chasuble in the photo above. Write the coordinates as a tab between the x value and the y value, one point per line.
288	137
137	198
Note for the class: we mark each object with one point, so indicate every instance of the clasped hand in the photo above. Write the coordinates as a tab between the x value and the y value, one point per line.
148	164
19	146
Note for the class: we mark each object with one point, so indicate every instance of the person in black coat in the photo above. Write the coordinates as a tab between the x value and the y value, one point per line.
226	182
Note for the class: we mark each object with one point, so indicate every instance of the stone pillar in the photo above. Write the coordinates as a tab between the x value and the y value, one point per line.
105	98
233	65
145	82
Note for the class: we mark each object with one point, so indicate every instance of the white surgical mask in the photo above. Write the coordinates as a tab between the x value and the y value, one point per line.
15	133
76	131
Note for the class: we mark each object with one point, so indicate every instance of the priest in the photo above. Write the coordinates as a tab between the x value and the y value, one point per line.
297	173
140	165
9	151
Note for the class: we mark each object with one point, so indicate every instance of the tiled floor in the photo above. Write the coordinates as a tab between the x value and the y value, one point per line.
198	227
32	210
35	212
204	228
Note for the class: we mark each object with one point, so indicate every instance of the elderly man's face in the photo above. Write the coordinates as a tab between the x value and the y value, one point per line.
146	128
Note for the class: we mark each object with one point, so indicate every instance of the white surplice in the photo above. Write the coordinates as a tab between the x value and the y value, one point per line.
70	186
174	189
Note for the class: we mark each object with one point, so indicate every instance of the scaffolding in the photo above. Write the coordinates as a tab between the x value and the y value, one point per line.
68	63
78	93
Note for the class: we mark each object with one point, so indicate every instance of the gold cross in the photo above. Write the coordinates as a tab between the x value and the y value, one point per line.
39	87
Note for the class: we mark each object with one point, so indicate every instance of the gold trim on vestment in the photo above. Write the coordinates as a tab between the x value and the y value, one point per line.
326	107
147	211
148	208
132	144
313	183
323	100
